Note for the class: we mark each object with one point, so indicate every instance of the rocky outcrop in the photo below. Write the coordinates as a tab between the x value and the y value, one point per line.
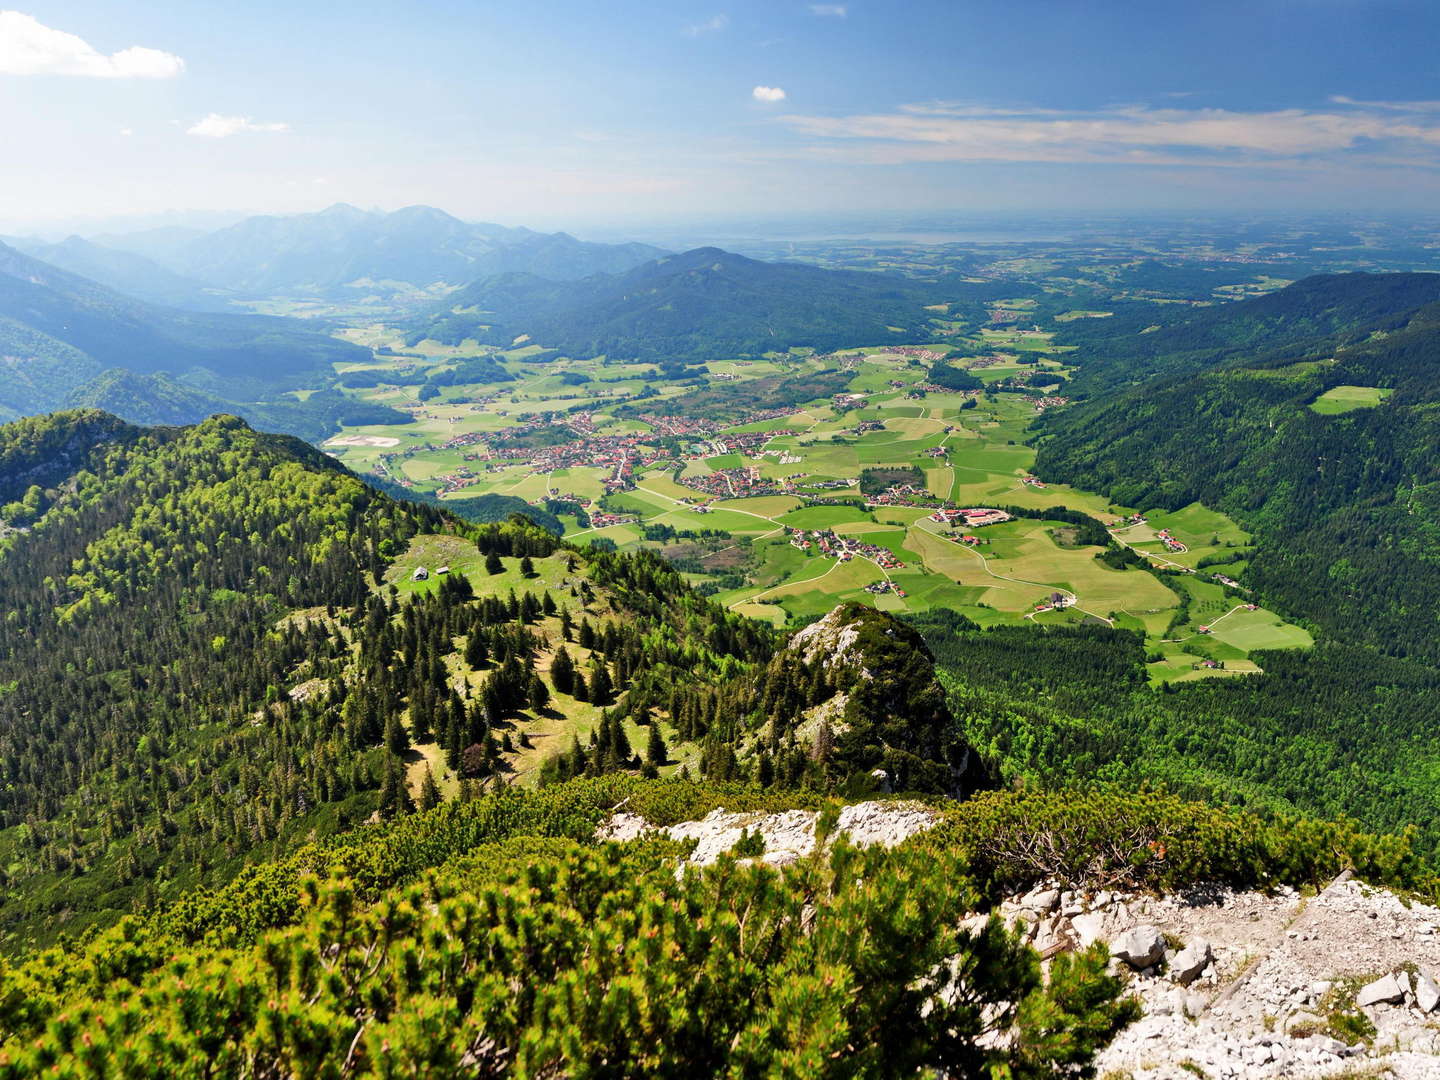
1246	984
787	836
881	707
1232	984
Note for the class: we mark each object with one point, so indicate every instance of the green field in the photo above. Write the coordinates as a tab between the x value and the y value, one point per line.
970	452
1343	399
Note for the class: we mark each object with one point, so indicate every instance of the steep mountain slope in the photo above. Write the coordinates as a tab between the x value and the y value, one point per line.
344	248
127	272
1343	503
59	330
703	304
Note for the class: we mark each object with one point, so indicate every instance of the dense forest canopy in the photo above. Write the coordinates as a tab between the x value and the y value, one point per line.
705	304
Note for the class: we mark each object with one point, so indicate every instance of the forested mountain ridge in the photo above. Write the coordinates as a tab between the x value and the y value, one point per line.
141	592
1310	317
704	304
59	330
1343	502
201	663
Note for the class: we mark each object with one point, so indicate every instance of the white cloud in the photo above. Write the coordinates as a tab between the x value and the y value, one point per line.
27	47
941	131
709	26
216	126
768	94
1388	106
127	132
837	11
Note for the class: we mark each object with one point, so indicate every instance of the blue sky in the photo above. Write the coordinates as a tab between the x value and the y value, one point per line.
576	114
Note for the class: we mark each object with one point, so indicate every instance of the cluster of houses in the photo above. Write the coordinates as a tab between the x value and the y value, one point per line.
916	352
732	483
603	519
842	548
993	360
677	425
730	442
1171	544
878	587
1050	401
1032	481
1056	601
974	517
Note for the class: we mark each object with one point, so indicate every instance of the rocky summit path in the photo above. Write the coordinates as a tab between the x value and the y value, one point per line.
1245	984
1343	983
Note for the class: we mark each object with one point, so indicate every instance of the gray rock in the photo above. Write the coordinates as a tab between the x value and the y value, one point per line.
1043	900
1139	947
1089	928
1194	1005
1333	1047
1427	994
1189	962
1383	991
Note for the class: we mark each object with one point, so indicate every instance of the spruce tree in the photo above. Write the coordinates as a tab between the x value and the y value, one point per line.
396	740
493	565
429	791
655	751
562	671
539	696
601	691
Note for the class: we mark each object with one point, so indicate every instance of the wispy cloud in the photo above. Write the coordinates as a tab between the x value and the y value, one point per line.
1387	106
768	94
28	47
836	11
216	126
710	26
1134	134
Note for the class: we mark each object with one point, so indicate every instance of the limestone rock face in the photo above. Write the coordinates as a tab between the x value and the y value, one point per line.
883	710
787	836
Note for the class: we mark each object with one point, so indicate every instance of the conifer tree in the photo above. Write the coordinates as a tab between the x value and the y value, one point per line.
601	691
394	796
477	650
396	740
429	791
539	696
655	750
493	565
562	671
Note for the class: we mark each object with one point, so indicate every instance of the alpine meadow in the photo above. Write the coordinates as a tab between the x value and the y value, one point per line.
780	540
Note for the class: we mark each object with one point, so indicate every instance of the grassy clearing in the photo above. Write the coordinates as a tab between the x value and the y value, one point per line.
1343	399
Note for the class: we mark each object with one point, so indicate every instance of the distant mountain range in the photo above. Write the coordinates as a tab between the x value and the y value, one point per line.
128	272
704	304
59	330
348	252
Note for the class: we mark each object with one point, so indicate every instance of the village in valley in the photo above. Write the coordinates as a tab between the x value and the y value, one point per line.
882	485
